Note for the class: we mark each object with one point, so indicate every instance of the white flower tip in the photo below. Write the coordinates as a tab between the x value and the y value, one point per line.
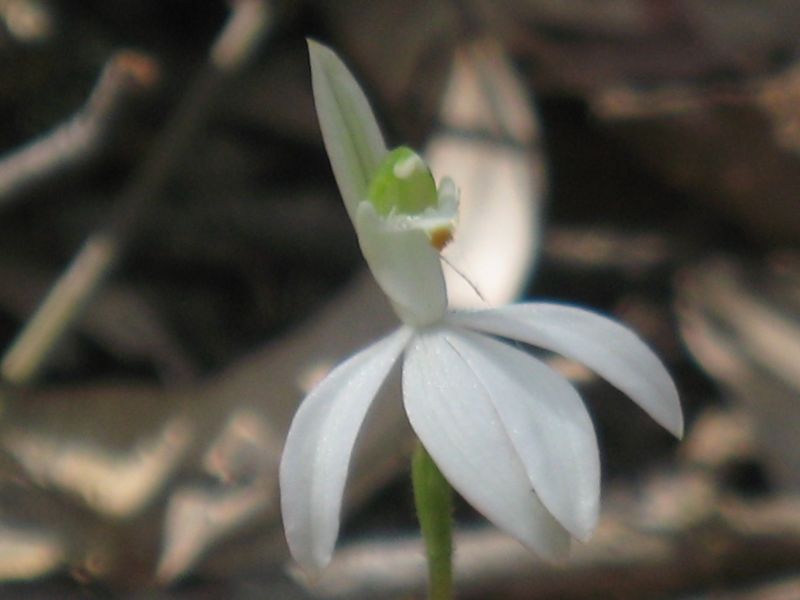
585	522
671	418
318	54
310	556
557	557
322	57
584	534
351	134
580	519
309	575
317	50
677	430
313	572
311	553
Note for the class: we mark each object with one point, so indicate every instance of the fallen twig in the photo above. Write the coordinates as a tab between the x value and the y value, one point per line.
81	138
233	47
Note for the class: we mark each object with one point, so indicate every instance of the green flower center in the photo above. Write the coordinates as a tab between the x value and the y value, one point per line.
403	184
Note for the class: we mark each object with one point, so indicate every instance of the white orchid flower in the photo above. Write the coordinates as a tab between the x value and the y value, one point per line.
511	435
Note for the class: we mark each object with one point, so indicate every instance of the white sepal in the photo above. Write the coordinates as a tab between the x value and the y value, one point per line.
319	445
351	134
546	422
455	421
611	350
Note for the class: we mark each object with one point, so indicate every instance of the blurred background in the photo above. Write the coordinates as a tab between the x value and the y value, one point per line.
177	270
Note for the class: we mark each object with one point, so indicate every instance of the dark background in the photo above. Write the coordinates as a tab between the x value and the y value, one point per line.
669	136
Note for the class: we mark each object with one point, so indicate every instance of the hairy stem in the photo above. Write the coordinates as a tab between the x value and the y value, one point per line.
434	501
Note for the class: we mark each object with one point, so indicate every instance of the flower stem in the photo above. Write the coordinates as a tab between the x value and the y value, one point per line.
433	497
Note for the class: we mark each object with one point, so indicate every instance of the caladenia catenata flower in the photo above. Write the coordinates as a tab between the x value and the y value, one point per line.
511	435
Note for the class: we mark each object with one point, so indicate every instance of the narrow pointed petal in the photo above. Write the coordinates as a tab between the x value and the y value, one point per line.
405	265
319	445
546	422
458	425
351	134
611	350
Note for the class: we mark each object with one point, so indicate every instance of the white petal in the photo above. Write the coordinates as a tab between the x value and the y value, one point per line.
405	265
603	345
319	446
547	423
455	421
352	136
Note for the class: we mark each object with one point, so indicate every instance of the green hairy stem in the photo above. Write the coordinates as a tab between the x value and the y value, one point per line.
433	497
